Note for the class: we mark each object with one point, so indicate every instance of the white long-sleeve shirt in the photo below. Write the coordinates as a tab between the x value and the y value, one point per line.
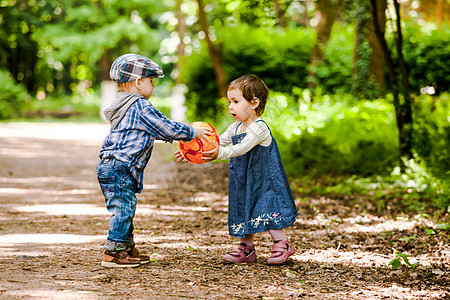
257	134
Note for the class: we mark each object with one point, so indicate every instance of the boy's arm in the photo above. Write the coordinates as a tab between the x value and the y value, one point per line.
162	128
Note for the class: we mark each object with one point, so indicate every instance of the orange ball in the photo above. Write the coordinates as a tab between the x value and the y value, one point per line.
192	150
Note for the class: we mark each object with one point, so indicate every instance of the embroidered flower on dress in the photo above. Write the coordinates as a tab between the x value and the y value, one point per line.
237	227
255	222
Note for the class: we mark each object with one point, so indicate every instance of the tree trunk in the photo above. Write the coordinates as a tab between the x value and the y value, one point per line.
181	29
178	109
214	54
108	87
368	65
406	109
439	12
434	11
362	53
404	125
105	64
376	66
281	14
328	11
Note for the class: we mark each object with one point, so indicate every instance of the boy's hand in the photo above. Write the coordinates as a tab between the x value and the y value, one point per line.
202	132
212	154
179	156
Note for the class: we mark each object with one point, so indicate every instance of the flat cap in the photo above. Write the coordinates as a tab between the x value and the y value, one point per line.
129	67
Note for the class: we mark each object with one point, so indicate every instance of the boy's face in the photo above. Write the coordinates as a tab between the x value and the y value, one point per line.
146	87
239	108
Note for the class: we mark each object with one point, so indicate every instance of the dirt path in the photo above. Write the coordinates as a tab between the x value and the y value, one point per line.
53	224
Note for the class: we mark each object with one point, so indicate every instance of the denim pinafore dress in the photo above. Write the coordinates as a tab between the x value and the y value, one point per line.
259	196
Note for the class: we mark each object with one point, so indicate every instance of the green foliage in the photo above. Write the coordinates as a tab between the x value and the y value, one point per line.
427	56
201	98
257	13
417	184
413	187
431	132
13	96
90	31
407	238
19	53
337	134
397	261
334	75
162	104
82	107
280	58
64	41
426	51
443	226
361	84
341	135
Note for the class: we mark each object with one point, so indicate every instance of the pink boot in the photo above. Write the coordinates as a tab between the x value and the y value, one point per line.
281	251
243	254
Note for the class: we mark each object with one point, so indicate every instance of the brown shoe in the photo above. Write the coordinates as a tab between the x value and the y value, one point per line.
135	254
119	260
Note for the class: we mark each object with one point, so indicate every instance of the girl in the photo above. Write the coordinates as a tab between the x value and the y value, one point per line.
260	198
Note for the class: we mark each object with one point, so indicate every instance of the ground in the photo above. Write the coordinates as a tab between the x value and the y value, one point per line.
53	224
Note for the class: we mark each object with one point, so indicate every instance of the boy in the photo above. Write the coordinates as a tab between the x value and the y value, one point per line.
135	124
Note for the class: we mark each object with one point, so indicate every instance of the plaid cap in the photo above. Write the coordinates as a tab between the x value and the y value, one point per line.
129	67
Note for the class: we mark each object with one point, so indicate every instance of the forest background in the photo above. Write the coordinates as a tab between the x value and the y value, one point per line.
359	99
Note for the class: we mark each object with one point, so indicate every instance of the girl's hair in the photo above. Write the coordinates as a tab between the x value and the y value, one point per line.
252	86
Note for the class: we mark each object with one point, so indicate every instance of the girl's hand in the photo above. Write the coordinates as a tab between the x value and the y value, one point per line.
179	157
212	154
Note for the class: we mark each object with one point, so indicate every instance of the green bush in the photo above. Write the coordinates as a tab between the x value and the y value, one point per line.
334	75
334	134
201	98
414	187
432	132
54	106
426	51
340	134
308	154
427	56
12	96
280	58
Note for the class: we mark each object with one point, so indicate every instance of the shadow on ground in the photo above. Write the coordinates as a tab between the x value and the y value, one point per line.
53	224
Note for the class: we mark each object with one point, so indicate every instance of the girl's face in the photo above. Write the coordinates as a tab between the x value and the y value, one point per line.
241	109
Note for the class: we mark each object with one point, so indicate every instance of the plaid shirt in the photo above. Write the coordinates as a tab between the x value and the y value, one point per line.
132	140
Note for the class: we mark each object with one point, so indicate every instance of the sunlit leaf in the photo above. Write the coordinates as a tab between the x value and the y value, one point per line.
407	238
395	263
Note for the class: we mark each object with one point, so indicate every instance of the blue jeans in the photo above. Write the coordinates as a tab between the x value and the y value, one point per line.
119	188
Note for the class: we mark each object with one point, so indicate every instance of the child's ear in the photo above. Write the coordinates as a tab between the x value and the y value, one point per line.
255	102
137	83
